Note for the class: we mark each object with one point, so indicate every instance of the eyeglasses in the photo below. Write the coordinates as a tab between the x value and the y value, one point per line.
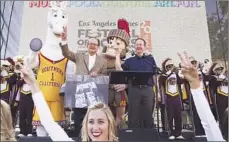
93	44
140	44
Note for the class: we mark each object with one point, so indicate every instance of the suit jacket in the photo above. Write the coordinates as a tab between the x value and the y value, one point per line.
81	60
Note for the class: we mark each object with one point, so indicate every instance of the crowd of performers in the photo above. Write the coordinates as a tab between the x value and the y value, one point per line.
18	95
173	96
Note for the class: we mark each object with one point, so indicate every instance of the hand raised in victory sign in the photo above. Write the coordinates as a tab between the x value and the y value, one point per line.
189	71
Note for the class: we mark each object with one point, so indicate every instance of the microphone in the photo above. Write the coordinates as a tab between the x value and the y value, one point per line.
36	44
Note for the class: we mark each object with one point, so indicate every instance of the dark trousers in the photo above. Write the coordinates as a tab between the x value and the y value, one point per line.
162	109
174	108
14	112
222	104
26	106
140	107
78	116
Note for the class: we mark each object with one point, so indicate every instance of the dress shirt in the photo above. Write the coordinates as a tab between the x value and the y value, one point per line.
91	61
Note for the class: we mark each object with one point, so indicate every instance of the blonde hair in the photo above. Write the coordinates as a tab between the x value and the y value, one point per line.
111	122
7	130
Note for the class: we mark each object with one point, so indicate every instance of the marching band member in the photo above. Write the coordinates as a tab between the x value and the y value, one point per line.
218	86
208	122
8	86
7	80
26	106
26	109
171	89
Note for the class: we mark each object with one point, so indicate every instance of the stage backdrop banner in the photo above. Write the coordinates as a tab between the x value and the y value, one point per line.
82	91
167	26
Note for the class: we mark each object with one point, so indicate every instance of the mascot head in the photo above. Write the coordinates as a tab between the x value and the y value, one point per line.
57	16
118	39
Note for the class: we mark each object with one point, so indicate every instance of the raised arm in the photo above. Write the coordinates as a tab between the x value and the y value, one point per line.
64	47
67	53
54	130
33	59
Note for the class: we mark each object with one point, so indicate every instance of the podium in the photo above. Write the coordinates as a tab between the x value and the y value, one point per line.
130	77
134	78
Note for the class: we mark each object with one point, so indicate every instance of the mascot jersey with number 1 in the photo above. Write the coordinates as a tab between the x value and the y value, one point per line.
51	76
51	65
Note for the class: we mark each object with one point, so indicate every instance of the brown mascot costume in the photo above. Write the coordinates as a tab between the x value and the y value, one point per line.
118	41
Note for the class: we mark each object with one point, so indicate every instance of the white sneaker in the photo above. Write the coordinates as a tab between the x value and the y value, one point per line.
21	135
172	138
180	137
29	135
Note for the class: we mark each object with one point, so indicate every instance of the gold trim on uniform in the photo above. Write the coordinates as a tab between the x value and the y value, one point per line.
184	93
7	88
219	91
25	92
170	93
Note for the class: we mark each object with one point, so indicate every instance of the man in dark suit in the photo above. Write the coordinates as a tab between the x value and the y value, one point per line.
89	63
141	96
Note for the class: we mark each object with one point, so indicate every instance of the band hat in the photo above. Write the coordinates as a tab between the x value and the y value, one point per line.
218	65
192	59
5	63
19	58
121	32
169	62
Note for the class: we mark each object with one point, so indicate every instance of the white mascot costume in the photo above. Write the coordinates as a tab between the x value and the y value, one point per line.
51	65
